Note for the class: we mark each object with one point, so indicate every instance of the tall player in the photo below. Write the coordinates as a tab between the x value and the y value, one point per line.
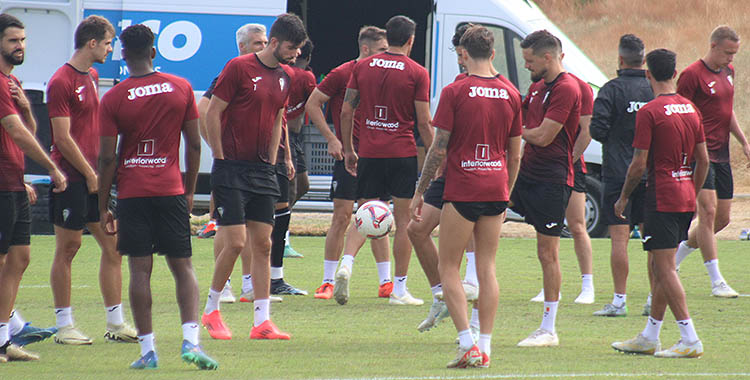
371	40
551	114
709	84
389	87
73	102
16	138
668	137
149	111
244	129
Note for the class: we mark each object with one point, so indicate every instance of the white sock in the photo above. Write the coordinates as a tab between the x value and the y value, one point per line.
247	283
329	271
147	343
212	303
228	284
687	331
587	282
484	343
399	286
16	323
549	316
277	273
713	270
648	300
471	269
384	271
114	315
190	332
465	341
619	299
474	321
348	261
683	250
435	290
262	311
286	239
652	330
64	316
4	333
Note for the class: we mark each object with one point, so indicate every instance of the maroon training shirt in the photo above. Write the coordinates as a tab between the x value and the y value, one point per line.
11	156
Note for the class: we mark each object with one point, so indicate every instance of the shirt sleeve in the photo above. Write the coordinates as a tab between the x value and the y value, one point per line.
644	124
603	114
227	84
58	98
210	90
107	121
687	84
191	112
310	84
422	90
587	99
353	84
700	135
7	106
562	101
445	113
516	128
333	83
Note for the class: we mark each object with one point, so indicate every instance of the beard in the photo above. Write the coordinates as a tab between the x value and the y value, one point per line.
538	76
11	58
277	55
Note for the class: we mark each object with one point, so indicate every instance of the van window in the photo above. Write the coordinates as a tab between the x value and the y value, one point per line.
524	78
501	60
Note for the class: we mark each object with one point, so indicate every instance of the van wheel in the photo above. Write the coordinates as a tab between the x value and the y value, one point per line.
594	222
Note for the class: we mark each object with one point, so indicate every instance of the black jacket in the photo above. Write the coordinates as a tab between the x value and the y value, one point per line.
613	121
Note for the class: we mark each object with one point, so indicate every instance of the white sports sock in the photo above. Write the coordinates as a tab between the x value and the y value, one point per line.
549	316
683	250
648	300
147	343
348	261
619	299
16	323
587	282
384	271
228	284
474	321
190	332
652	330
64	316
471	269
465	341
114	315
687	331
212	302
435	290
485	341
4	333
277	273
262	311
247	283
713	270
399	286
329	271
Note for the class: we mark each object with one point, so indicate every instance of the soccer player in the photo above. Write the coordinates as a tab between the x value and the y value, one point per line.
244	129
613	124
668	137
149	111
551	114
709	84
16	138
479	123
389	87
371	40
251	38
73	103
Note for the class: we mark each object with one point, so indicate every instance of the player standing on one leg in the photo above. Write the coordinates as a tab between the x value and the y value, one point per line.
551	114
16	138
613	125
389	86
73	102
244	129
371	40
709	84
668	137
479	123
149	111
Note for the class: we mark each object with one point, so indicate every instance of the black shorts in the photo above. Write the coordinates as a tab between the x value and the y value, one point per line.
579	180
434	194
633	211
471	211
15	220
382	177
153	224
720	178
542	204
283	182
298	152
74	208
343	185
665	230
244	191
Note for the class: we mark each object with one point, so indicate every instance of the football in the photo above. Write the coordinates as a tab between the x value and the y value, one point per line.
374	219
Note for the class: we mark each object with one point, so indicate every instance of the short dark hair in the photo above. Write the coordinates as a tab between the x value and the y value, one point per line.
137	41
478	42
288	27
7	20
460	30
661	64
92	28
399	29
370	34
306	50
632	50
542	41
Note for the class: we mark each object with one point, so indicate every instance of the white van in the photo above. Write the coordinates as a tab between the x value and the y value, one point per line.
196	38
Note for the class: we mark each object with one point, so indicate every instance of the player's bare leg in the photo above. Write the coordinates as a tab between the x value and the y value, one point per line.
334	245
140	292
450	252
231	240
547	252
402	254
575	216
420	236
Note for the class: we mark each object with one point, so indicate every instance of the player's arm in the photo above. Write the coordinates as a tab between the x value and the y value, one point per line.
602	119
736	131
273	150
513	161
107	164
700	154
433	159
71	152
351	102
202	113
213	125
314	109
584	138
632	179
288	154
544	134
192	138
30	146
19	96
424	124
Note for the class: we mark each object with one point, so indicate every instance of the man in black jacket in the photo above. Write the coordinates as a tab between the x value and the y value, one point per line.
613	124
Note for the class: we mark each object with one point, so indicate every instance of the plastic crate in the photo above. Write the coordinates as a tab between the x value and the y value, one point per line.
319	162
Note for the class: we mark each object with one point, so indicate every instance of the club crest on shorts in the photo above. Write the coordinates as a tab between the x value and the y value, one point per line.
220	210
66	214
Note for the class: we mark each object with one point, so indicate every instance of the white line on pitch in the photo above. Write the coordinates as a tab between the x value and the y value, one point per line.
47	286
555	375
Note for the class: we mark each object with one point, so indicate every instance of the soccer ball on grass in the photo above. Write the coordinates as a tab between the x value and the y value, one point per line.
373	219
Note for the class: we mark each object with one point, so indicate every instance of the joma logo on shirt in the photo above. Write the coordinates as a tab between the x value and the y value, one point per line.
379	62
488	92
678	108
152	89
